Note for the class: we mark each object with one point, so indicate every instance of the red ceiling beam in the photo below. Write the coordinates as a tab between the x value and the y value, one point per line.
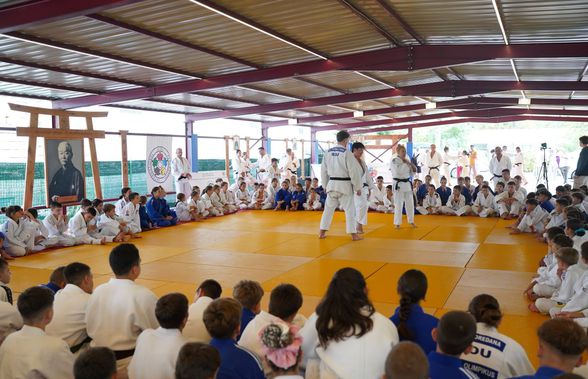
441	89
399	59
33	13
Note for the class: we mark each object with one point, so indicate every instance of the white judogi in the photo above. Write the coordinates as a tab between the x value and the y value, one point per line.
313	204
156	354
430	201
19	237
483	205
78	228
179	167
341	176
402	190
69	318
533	219
228	200
378	195
208	205
243	199
388	204
216	203
564	293
236	162
578	242
250	336
56	228
182	211
109	226
195	331
447	158
555	219
290	166
433	166
263	163
118	311
548	281
132	216
579	300
352	358
513	208
496	166
38	229
361	202
517	167
120	205
496	356
258	196
31	349
455	206
10	320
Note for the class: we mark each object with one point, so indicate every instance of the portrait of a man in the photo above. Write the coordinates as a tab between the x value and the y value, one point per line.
64	161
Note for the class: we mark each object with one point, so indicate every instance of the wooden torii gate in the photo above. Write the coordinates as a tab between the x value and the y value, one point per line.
62	132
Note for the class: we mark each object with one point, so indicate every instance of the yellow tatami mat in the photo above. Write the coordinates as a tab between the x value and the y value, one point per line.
462	257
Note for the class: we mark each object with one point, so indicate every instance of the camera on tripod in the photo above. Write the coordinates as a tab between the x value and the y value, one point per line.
544	146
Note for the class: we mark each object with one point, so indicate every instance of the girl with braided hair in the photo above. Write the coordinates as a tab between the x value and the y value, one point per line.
412	322
494	355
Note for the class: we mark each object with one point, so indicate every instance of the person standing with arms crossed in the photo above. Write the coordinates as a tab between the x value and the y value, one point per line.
341	176
402	169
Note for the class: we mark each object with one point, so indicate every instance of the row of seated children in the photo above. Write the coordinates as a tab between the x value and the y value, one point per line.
345	337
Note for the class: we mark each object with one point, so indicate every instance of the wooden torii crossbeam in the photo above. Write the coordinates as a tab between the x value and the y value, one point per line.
63	132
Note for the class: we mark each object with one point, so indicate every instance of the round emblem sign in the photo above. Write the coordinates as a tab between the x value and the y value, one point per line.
159	164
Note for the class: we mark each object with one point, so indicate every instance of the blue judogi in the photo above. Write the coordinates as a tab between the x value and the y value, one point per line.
246	316
145	219
236	361
467	194
443	366
420	324
422	192
543	372
52	286
156	209
547	205
301	197
284	195
444	194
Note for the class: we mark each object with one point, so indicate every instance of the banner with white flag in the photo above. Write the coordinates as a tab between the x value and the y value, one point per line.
159	163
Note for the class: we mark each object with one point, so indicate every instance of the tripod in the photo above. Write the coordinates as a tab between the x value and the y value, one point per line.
542	175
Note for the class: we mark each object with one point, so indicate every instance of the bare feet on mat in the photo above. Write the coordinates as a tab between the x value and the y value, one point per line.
515	231
397	226
6	256
413	225
356	237
359	229
323	234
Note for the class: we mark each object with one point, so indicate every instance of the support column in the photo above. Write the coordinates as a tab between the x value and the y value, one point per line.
302	163
227	161
124	158
313	147
409	143
188	131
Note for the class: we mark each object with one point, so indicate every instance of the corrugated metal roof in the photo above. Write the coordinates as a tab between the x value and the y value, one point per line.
348	81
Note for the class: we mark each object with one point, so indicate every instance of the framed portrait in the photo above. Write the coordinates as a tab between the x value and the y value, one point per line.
65	176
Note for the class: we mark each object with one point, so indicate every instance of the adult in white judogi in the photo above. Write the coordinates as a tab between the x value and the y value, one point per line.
402	170
31	348
195	331
484	204
517	167
447	163
433	163
263	164
533	219
69	319
355	357
341	176
236	163
498	163
181	172
10	320
290	165
378	194
361	201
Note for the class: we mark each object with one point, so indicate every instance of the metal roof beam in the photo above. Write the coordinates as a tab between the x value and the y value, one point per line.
442	89
377	27
33	13
396	59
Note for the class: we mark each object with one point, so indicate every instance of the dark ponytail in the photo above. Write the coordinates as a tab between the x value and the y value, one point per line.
412	288
485	309
123	191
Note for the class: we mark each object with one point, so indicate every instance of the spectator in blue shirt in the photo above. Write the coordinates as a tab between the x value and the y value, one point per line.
444	191
249	294
454	336
423	189
283	197
412	323
298	198
561	344
222	319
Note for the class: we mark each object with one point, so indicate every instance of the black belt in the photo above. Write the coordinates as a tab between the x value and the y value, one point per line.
341	179
447	163
518	164
74	349
434	168
122	354
398	181
497	176
365	185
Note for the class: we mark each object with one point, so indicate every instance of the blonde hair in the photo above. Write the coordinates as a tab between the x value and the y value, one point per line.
399	146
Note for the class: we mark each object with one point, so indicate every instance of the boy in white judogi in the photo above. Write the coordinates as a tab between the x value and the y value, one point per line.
207	292
548	280
533	220
456	205
131	213
389	200
509	202
484	203
78	228
361	201
69	319
10	320
498	163
341	175
40	231
160	363
433	163
111	226
196	205
556	217
431	202
19	237
119	310
313	202
378	194
216	200
227	198
56	225
207	193
579	299
259	198
31	348
242	196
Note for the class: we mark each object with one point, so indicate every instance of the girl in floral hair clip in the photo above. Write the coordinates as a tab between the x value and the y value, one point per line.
281	350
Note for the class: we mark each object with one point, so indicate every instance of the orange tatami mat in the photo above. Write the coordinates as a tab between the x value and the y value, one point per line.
462	257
